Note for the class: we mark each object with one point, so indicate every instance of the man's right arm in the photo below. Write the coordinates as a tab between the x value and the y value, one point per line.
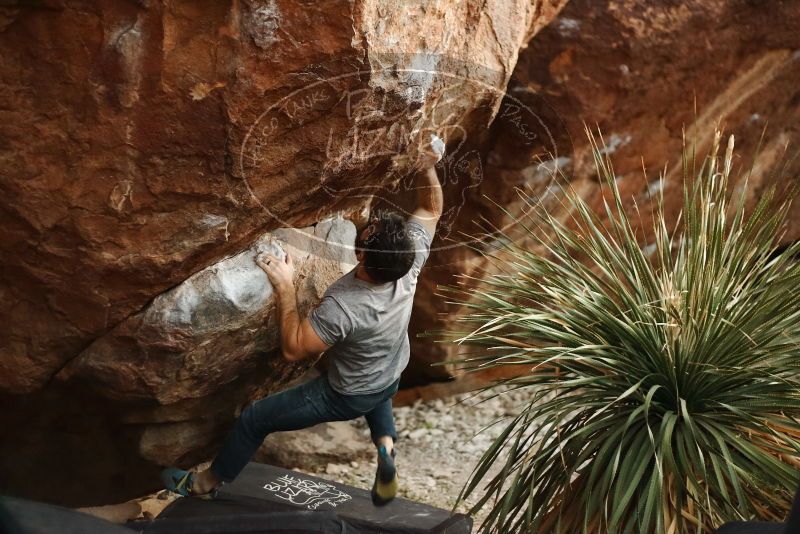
298	338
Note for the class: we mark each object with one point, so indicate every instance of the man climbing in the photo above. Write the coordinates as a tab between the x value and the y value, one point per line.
361	324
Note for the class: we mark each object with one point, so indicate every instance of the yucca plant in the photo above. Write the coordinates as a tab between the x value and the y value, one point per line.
664	380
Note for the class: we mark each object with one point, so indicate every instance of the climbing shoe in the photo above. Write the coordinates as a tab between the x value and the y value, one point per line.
384	488
181	482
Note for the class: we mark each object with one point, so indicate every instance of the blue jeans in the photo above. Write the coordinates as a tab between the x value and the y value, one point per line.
297	408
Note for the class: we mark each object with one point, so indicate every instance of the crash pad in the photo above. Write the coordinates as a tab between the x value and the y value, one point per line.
264	489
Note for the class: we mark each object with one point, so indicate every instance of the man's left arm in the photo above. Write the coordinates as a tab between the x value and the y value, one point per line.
430	200
298	339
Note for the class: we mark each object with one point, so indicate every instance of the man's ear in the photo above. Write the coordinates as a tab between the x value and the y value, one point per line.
360	255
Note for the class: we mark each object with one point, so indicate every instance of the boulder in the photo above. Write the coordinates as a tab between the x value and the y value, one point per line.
147	147
144	141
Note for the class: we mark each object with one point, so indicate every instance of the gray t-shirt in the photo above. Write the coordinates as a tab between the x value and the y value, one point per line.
367	325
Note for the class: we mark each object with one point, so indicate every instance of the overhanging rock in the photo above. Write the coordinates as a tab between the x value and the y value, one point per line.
164	137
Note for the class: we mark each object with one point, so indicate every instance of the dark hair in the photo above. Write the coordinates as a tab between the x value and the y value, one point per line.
389	250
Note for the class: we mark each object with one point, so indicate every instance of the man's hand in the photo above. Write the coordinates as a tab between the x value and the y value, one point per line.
280	272
430	153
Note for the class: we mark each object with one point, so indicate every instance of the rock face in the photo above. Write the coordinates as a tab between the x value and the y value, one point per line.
192	340
642	72
146	147
142	142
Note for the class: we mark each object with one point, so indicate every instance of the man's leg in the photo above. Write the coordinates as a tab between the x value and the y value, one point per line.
296	408
381	425
384	434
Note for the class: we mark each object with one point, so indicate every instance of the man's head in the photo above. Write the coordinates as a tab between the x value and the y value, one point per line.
384	247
